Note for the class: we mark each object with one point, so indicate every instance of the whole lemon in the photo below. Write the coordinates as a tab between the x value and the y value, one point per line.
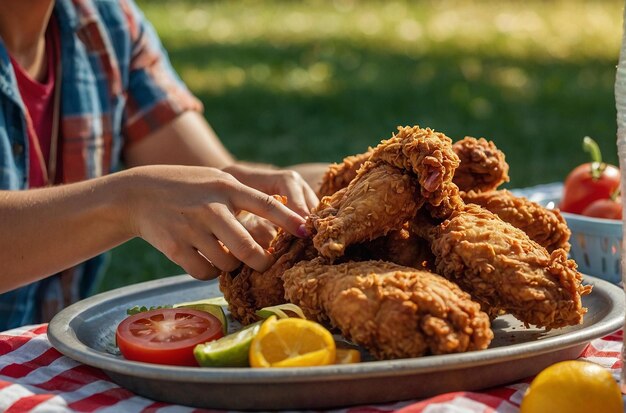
573	387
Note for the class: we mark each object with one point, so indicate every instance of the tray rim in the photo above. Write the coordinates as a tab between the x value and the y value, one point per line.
62	335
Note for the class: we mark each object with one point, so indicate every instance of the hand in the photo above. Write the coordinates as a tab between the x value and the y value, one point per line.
189	214
262	230
300	197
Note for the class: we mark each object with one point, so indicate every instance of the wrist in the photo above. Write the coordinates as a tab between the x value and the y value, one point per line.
124	192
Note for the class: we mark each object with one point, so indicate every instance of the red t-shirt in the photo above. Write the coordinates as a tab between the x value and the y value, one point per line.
38	98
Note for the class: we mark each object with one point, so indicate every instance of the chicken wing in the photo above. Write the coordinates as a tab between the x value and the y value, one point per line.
402	173
503	269
380	199
483	166
391	310
426	153
545	226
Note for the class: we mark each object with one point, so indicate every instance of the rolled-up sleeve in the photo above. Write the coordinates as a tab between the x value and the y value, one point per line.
155	94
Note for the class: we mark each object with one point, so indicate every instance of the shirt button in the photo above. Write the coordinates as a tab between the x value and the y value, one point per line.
18	149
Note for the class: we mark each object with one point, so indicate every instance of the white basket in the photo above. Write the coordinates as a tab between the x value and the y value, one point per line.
596	246
596	243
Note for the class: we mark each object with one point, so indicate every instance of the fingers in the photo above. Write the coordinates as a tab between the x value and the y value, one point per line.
239	241
194	264
205	258
263	233
262	230
300	197
311	198
212	238
213	251
297	203
268	207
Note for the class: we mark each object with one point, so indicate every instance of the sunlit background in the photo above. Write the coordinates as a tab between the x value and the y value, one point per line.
287	82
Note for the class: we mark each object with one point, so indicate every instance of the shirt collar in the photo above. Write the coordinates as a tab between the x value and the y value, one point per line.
8	84
67	14
74	14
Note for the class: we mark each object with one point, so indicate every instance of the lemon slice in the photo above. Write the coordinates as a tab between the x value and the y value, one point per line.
573	386
229	351
292	342
213	309
347	356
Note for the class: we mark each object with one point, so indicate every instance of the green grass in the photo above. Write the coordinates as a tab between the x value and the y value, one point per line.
287	82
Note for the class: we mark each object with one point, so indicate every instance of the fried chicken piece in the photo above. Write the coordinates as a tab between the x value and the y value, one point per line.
503	269
451	201
426	153
483	166
380	199
403	172
545	226
390	310
339	176
247	290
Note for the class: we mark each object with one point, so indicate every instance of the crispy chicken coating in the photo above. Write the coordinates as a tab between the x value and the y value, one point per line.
483	166
545	226
451	201
339	175
413	167
247	290
390	310
503	269
391	215
426	153
380	199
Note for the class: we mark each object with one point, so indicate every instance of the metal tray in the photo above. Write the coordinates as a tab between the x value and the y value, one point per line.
85	332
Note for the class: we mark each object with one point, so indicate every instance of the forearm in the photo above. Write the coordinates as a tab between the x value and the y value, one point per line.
44	231
190	140
187	140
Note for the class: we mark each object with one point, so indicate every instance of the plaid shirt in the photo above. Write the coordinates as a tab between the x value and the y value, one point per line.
117	86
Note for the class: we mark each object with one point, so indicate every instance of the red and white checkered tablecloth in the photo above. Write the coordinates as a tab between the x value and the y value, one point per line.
36	377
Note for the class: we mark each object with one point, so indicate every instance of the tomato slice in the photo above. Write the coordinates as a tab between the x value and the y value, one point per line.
166	335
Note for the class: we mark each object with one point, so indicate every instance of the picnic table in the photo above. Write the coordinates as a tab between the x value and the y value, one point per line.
35	377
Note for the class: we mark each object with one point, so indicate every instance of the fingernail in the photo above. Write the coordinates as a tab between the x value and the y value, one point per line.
303	232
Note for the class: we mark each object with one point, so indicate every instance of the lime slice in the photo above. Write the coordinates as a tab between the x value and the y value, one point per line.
213	309
229	351
280	311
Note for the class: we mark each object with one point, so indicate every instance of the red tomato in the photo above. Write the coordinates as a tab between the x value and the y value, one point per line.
604	208
581	188
167	335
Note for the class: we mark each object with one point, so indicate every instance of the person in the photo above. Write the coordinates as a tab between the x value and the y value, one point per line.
85	89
